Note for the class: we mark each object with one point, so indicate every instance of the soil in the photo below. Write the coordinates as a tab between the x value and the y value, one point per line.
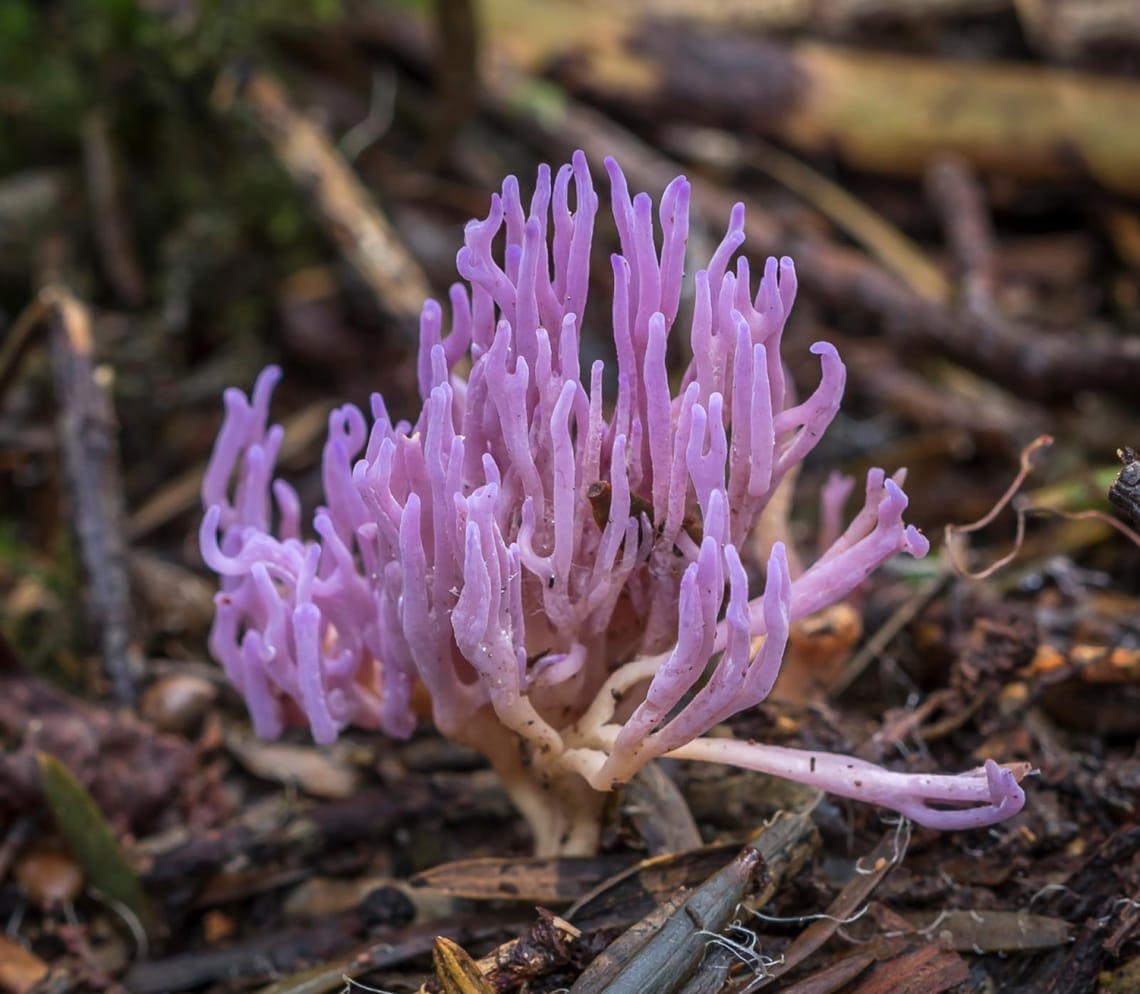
190	191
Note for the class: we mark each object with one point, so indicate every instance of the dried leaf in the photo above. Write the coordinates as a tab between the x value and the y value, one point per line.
992	931
457	971
20	969
319	773
536	881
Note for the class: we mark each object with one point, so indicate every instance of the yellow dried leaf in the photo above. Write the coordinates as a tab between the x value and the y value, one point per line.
456	970
20	969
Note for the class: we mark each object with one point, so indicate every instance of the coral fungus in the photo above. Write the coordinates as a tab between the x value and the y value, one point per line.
560	570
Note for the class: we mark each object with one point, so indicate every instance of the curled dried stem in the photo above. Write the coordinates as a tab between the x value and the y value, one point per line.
952	531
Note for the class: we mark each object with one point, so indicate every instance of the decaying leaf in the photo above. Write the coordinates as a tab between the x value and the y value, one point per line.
456	970
20	969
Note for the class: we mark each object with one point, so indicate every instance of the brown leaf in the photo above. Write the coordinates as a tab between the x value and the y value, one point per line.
457	971
538	881
20	969
319	773
992	931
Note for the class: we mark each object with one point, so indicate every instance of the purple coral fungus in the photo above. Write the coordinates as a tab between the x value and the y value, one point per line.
562	574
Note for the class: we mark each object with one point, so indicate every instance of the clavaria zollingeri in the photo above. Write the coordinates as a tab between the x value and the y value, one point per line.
561	571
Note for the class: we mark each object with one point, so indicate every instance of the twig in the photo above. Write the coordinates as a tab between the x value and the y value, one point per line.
663	958
819	18
381	113
1021	514
15	838
344	208
18	339
112	229
873	648
954	190
849	904
1031	361
897	252
1064	29
456	72
878	112
88	432
961	402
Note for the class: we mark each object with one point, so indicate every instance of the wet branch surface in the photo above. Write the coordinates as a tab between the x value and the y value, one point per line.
186	197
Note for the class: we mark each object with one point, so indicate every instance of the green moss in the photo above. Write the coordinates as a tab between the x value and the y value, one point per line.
41	613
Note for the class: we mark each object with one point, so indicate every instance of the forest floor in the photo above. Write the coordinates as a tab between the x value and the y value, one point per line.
190	191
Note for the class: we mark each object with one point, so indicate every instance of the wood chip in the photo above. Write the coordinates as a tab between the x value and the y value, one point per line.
20	969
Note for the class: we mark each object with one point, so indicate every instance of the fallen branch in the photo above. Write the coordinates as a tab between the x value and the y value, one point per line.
349	216
89	439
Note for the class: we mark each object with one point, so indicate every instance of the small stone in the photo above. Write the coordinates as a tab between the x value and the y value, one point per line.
177	703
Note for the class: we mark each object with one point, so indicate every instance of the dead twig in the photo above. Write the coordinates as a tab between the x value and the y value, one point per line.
878	112
956	194
884	241
874	647
849	905
112	229
88	433
1065	29
457	74
349	216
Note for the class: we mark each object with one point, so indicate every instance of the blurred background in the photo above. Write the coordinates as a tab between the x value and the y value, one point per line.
192	189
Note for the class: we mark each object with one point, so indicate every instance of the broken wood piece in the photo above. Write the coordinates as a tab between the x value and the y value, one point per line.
346	211
633	893
673	951
1067	29
848	905
88	433
662	951
657	808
